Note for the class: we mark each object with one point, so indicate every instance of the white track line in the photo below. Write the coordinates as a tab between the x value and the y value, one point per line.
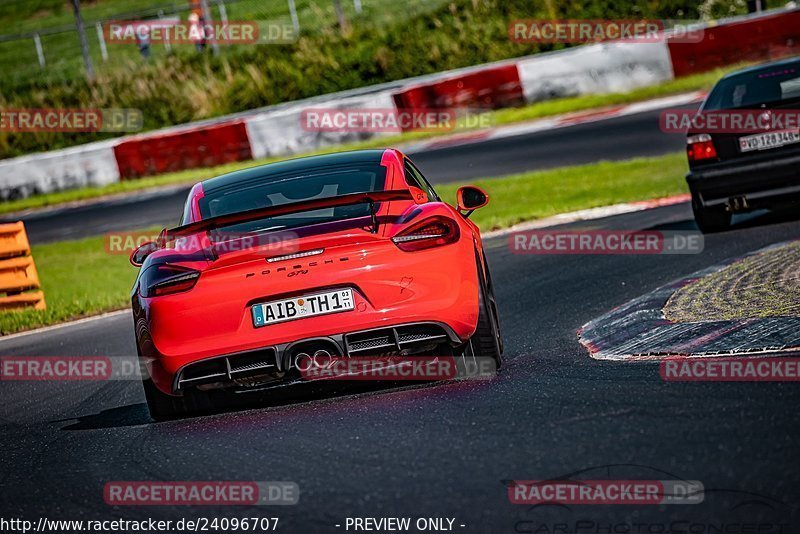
66	324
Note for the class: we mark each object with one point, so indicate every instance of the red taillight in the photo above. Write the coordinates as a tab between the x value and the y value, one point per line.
432	232
700	147
166	279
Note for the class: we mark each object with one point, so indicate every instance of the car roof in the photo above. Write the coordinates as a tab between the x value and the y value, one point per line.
763	67
292	166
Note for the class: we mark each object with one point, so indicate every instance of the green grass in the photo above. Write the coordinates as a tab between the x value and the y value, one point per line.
62	50
389	41
80	278
500	117
539	194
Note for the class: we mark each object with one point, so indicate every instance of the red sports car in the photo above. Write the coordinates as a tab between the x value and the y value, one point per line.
346	254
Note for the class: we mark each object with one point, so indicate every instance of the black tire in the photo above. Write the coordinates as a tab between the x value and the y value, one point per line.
710	220
163	407
487	341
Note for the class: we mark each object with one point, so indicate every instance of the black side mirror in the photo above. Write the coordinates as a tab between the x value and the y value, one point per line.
140	254
469	198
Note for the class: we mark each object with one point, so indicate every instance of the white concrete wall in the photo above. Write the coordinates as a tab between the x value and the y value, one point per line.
93	164
280	132
594	69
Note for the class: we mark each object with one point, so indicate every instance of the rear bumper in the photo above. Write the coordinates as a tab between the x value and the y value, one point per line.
439	286
275	365
746	186
408	335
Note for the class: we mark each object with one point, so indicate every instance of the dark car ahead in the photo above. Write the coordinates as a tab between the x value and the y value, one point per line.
739	171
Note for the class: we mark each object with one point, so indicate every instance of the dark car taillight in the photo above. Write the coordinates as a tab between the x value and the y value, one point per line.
160	280
432	232
700	147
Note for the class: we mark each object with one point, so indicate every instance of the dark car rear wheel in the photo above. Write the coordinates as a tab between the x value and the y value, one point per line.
710	220
487	341
164	407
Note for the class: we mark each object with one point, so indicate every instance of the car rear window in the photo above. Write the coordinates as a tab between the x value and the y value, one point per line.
769	85
279	189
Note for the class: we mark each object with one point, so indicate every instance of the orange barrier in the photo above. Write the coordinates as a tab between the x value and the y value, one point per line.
18	274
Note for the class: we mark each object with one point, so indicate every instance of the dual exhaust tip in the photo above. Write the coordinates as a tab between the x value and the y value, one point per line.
319	359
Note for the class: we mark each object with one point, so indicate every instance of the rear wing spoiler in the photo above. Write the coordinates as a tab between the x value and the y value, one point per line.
222	221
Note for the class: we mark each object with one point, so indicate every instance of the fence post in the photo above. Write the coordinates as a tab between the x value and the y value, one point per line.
167	44
293	14
87	61
102	40
342	21
39	52
223	13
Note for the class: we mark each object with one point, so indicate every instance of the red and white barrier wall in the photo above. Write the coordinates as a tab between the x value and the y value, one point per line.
594	69
93	164
278	130
281	132
492	86
186	148
775	34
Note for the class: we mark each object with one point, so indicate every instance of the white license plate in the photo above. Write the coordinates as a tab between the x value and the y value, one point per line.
768	140
279	311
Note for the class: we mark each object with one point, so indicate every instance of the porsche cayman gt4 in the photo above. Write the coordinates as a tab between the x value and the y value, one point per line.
347	254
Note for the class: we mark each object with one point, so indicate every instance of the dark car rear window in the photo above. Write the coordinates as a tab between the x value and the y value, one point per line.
310	184
749	89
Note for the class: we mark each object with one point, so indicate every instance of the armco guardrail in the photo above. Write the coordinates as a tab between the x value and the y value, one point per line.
277	131
18	276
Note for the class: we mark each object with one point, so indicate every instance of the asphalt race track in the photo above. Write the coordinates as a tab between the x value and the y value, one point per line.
609	139
442	450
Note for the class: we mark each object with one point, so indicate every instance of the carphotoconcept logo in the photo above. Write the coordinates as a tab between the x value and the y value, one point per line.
585	502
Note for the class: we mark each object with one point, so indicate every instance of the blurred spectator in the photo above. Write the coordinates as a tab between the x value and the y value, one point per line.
197	31
143	40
